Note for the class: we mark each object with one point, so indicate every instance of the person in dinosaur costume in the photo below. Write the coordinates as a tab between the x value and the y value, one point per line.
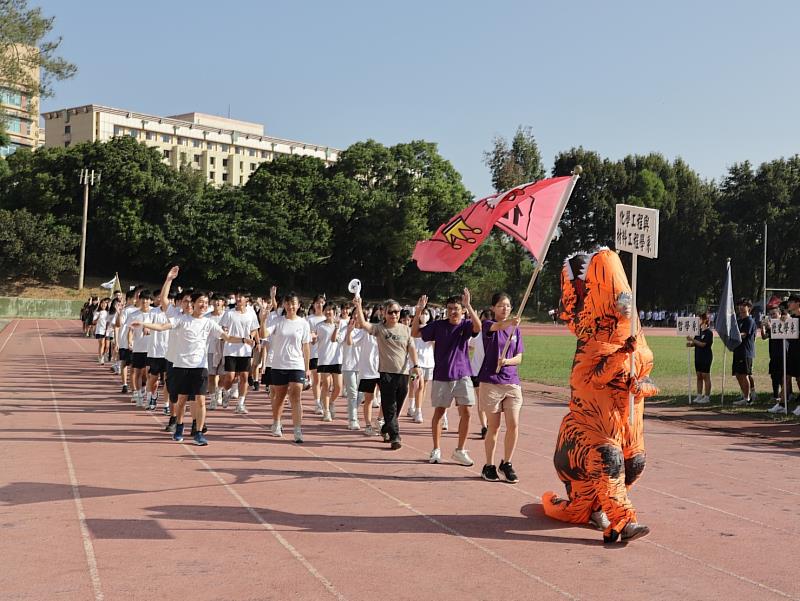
599	453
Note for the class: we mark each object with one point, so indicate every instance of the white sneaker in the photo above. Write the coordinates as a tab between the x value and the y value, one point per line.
411	410
445	425
698	399
100	360
276	429
212	403
327	417
333	410
381	422
298	434
375	403
369	430
318	408
418	416
796	410
777	408
234	392
226	397
461	457
138	398
742	402
354	425
702	400
240	408
436	456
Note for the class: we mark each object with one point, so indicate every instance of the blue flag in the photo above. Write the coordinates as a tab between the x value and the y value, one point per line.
726	325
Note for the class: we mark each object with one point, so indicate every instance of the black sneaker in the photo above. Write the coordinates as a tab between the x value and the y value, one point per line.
489	473
124	389
484	430
194	428
508	472
170	427
396	444
256	385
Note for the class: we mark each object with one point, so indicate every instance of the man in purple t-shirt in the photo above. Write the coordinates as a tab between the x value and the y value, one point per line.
452	373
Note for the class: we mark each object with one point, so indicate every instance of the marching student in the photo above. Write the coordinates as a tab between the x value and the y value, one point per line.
175	305
368	374
156	356
315	316
703	358
99	320
216	356
501	391
190	333
139	341
241	323
452	372
112	335
395	345
125	353
427	362
329	363
476	361
289	337
351	354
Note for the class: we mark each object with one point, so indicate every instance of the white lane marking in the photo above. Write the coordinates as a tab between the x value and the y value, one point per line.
436	522
10	334
88	548
720	570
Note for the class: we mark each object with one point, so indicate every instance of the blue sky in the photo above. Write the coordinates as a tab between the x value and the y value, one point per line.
712	82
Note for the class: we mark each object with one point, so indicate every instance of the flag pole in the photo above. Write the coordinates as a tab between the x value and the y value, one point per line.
724	346
634	320
576	173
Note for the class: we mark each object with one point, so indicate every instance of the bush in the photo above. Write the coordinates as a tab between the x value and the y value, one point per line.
35	246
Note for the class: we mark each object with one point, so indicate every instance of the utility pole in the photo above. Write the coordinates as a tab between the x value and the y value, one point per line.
87	178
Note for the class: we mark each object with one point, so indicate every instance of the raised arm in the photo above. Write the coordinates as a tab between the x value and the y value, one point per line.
421	304
361	323
466	300
171	275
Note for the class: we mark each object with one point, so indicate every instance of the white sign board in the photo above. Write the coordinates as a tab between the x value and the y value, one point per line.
784	329
636	230
688	326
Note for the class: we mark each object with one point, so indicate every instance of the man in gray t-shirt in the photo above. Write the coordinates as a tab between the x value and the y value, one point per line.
395	345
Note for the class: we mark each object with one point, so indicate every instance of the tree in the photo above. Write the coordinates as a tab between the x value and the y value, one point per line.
35	246
28	60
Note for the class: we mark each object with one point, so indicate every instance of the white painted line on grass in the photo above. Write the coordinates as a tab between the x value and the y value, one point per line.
88	548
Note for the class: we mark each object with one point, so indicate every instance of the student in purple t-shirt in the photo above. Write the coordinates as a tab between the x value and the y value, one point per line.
452	373
500	390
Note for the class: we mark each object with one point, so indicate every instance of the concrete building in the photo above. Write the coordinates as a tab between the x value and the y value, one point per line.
19	108
224	150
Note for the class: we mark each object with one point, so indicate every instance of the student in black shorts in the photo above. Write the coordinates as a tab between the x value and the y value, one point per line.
745	353
703	358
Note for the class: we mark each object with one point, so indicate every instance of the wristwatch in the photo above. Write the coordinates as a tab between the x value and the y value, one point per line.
242	339
414	366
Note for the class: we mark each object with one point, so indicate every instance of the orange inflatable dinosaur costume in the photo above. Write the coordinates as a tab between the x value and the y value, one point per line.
599	454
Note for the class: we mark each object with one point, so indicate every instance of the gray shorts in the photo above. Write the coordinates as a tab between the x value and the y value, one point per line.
443	392
216	365
427	373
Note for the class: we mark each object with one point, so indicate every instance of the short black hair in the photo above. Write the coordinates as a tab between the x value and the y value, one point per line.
197	294
453	300
145	295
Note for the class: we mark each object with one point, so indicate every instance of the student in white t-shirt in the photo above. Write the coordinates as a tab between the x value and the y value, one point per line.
138	342
475	362
329	362
289	339
190	334
350	357
216	357
122	341
156	356
241	322
315	316
99	319
425	357
368	374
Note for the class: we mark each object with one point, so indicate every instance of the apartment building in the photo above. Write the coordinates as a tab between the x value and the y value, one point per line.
225	150
19	109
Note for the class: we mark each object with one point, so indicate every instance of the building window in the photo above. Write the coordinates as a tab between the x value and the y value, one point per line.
197	158
252	166
211	145
183	157
252	152
166	139
224	148
166	154
238	150
151	135
13	125
211	175
66	143
67	129
211	161
181	141
196	143
119	131
224	177
263	154
224	163
133	133
241	165
7	150
10	97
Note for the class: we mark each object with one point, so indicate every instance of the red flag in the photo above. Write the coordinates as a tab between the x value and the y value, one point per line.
531	221
456	240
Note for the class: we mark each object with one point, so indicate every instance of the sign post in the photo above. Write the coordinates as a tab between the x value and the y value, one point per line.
636	231
688	326
784	329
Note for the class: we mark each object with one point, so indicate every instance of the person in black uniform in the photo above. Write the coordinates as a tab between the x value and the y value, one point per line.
703	357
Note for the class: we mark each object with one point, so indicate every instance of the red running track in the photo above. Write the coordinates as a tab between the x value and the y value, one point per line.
97	503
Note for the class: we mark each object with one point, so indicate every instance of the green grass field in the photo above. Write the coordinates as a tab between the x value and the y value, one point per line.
548	359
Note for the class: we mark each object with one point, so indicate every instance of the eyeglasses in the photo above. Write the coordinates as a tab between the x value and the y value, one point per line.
394	312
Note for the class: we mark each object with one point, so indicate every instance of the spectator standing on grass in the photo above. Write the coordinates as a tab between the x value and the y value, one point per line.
793	350
745	353
775	356
703	358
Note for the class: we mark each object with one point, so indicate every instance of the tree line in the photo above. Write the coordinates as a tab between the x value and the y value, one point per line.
305	225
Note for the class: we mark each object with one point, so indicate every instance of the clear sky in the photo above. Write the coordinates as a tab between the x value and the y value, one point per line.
710	81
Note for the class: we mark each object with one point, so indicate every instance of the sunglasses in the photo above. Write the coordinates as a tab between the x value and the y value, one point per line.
394	312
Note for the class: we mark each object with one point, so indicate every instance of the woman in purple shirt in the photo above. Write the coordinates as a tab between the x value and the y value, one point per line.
500	390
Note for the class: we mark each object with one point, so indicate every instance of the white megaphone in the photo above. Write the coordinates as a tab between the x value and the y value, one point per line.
354	287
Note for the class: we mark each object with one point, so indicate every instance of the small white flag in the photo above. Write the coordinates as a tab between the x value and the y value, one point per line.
109	284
